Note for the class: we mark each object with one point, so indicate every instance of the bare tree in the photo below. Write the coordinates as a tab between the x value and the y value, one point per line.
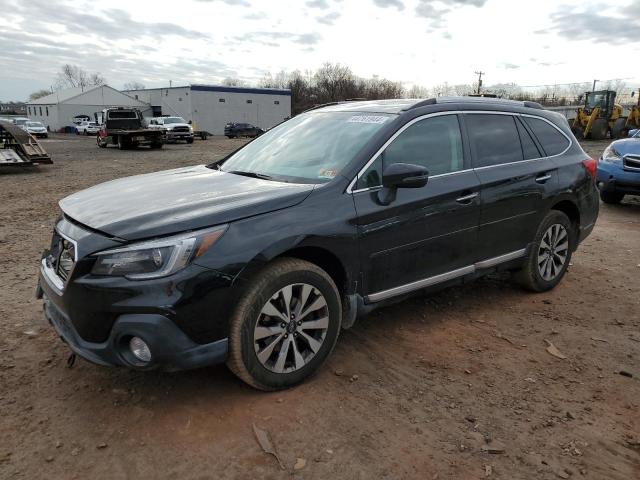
74	76
418	91
280	80
39	94
134	86
234	82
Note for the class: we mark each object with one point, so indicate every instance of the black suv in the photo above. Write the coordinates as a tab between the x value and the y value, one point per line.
233	130
260	259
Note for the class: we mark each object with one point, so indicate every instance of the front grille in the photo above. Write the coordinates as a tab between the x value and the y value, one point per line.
180	129
62	255
631	162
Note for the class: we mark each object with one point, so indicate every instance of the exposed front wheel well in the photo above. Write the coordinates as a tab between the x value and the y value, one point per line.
324	259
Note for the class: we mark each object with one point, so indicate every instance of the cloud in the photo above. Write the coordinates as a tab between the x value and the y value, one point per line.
575	23
389	3
329	18
235	3
272	38
436	10
321	4
510	66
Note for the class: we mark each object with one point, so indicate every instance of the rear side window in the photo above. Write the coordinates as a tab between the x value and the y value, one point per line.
494	139
529	148
551	139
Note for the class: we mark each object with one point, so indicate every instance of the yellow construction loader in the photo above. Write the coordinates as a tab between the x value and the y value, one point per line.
599	116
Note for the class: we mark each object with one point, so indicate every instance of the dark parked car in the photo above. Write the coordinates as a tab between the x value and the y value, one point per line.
619	169
233	130
260	260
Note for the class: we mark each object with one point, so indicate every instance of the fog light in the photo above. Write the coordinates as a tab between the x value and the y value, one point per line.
140	349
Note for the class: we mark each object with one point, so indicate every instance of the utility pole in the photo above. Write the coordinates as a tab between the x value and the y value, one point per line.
479	73
593	89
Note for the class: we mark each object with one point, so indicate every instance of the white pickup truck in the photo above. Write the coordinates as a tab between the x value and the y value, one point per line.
176	128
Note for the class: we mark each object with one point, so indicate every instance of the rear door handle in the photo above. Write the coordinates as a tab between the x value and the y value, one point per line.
467	198
543	178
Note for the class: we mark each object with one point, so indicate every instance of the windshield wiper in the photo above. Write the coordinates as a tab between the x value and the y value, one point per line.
262	176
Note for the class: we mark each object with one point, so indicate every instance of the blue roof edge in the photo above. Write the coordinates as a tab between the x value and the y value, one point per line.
263	91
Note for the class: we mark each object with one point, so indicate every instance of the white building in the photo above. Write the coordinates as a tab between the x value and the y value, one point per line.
58	109
210	107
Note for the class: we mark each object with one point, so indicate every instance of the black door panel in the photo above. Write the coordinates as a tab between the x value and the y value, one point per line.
424	232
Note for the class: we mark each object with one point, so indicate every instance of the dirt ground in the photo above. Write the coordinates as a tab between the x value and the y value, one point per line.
418	390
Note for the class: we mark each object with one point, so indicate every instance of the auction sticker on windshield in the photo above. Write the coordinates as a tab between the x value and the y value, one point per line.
368	119
328	173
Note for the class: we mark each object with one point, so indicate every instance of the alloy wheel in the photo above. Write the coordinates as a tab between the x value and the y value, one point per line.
291	328
553	251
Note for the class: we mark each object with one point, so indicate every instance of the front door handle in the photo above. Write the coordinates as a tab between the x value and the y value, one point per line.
467	198
543	178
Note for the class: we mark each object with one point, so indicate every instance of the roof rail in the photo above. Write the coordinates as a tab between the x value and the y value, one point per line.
529	104
422	103
321	105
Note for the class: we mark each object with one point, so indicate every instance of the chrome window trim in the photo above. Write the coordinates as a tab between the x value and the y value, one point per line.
350	189
443	277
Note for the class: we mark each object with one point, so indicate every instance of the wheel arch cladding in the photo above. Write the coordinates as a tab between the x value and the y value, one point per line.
324	259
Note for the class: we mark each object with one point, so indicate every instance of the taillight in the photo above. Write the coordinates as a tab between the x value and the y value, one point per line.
591	166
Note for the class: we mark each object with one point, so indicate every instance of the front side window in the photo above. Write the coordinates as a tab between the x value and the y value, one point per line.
494	139
310	148
434	143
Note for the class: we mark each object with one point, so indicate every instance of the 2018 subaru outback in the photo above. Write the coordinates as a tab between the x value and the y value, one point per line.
260	259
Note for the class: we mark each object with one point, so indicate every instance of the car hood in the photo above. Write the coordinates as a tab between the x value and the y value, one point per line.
172	201
627	146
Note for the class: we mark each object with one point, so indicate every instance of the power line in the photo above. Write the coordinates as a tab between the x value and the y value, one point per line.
574	83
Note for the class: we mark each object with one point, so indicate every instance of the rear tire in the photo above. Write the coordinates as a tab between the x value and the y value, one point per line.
617	131
156	145
599	129
121	143
261	328
549	254
611	198
189	140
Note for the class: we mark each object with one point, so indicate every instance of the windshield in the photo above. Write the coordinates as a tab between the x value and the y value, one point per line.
174	120
310	148
34	124
596	100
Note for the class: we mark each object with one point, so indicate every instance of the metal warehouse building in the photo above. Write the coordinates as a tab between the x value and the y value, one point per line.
58	109
210	107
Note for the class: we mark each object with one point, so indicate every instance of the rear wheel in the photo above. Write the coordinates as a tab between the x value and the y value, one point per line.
189	140
285	325
611	197
156	145
121	143
617	131
599	129
549	254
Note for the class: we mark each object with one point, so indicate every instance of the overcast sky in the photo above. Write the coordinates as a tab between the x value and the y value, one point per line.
423	42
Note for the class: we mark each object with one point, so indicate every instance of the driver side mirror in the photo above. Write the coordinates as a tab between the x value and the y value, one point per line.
404	175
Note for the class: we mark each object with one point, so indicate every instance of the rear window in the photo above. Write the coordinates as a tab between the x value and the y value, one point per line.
550	137
494	139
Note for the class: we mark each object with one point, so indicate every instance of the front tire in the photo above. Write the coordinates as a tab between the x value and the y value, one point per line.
611	198
549	254
285	325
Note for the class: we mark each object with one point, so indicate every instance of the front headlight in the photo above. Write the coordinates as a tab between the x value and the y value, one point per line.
156	258
610	154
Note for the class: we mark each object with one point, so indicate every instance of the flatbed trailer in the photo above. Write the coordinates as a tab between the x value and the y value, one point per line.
123	127
18	148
